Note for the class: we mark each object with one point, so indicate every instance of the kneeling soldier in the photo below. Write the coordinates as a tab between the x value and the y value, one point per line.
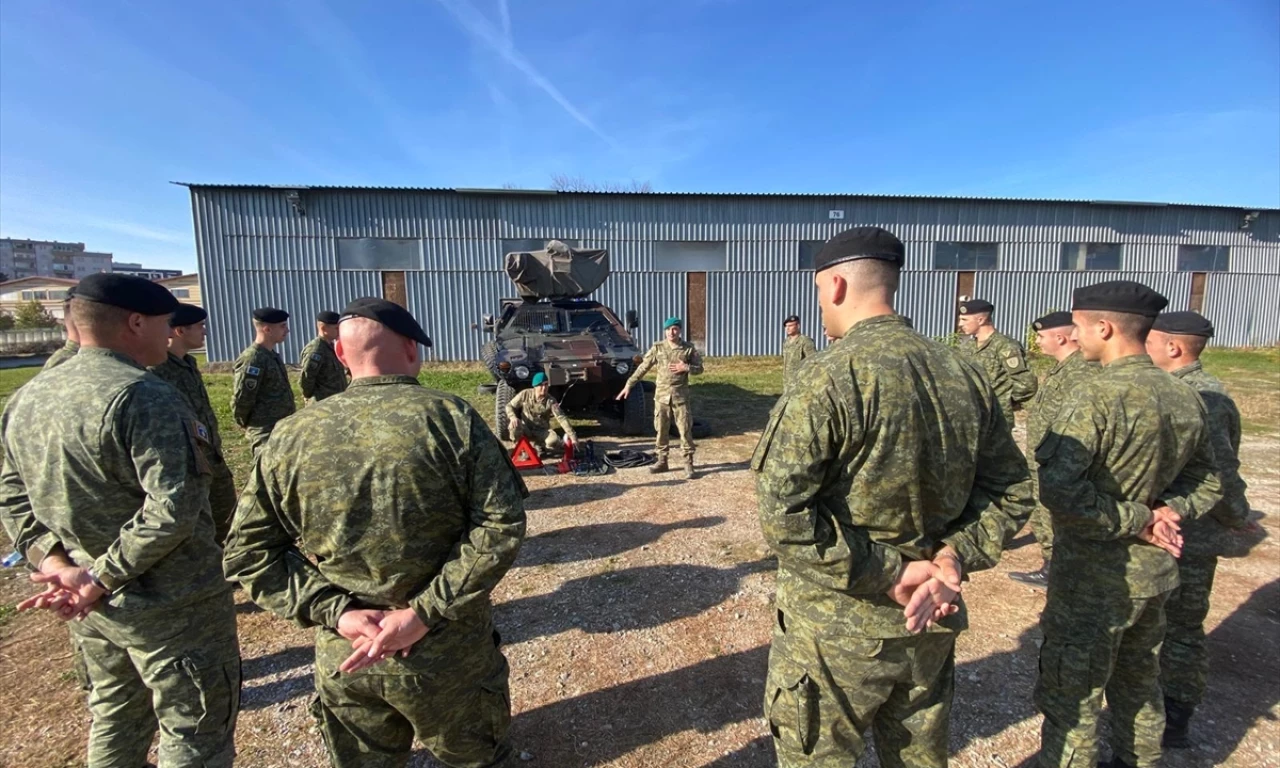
530	413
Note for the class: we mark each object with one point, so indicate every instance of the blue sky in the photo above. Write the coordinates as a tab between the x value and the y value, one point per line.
102	104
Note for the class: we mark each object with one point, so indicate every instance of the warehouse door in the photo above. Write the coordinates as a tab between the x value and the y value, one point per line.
393	288
1197	291
964	286
695	329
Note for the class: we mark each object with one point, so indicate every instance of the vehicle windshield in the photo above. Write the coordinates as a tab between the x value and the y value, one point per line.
537	319
589	321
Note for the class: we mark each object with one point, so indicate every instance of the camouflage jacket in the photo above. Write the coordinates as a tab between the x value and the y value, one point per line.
1130	436
62	355
117	478
526	407
795	350
260	395
1006	365
890	448
183	373
1205	535
672	387
323	374
411	503
1058	386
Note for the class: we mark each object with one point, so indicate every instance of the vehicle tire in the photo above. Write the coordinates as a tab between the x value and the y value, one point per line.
649	386
502	395
486	389
635	413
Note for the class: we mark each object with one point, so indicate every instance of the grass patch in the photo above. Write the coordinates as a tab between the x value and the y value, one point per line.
7	612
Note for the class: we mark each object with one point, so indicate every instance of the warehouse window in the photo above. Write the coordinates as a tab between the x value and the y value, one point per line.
809	251
525	244
689	256
1203	258
966	256
1080	257
181	293
376	253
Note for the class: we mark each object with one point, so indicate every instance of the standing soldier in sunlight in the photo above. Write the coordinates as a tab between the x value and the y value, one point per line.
675	360
1176	341
187	333
322	372
413	513
72	346
110	505
884	474
1000	356
1124	463
1054	334
795	350
261	394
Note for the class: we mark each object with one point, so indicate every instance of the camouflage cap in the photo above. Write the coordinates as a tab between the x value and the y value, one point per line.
1052	320
861	243
1184	324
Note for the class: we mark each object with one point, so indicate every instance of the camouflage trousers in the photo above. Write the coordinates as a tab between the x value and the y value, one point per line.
540	436
664	414
1184	660
1098	645
1042	527
450	693
179	672
222	497
257	437
824	692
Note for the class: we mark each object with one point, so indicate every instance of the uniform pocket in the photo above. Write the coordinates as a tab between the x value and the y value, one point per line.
218	690
1068	668
791	705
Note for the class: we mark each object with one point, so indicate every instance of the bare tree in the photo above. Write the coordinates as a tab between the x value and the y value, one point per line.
563	182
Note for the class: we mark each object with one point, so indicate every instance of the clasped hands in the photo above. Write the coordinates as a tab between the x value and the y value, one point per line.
929	590
1163	530
69	591
376	635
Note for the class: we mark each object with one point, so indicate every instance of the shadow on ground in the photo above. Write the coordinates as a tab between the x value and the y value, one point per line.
589	542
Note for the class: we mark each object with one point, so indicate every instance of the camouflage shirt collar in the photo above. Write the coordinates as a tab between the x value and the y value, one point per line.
872	322
1187	370
1131	361
104	352
987	341
377	381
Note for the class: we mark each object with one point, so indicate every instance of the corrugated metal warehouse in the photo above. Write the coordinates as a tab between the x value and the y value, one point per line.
732	265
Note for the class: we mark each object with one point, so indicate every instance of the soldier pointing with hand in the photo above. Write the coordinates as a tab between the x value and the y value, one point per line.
675	361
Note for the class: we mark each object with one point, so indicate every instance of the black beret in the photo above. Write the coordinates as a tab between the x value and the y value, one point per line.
861	243
71	293
328	317
1124	296
136	294
270	315
791	319
1052	320
976	307
187	314
1184	324
390	314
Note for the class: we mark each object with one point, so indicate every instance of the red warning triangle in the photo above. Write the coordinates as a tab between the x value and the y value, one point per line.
566	462
524	456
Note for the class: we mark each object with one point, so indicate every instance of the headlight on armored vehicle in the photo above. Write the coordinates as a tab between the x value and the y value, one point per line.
622	368
504	366
522	372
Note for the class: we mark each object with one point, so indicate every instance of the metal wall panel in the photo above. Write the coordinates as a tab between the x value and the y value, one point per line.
1256	259
929	299
230	299
1242	309
654	296
450	306
1021	297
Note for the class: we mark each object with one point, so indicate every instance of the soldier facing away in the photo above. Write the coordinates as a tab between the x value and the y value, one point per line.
1054	335
1124	462
675	360
1175	343
884	475
261	395
413	513
187	332
322	372
1001	357
795	350
530	412
72	345
105	491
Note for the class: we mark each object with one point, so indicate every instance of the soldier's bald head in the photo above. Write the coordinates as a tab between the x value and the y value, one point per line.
369	348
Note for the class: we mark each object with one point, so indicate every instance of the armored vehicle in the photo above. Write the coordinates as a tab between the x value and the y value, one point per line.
553	327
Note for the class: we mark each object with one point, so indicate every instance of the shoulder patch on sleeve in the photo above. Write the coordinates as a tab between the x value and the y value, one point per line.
251	384
1013	361
198	437
252	370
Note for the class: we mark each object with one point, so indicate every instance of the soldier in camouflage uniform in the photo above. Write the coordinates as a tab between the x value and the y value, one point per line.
323	374
261	395
675	361
110	504
1175	344
795	350
72	346
181	370
884	474
412	513
1000	356
1054	335
1124	463
530	412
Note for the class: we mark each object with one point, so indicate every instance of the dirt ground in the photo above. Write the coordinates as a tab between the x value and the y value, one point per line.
637	626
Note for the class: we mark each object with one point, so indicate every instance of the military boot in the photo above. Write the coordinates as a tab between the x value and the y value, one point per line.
1038	579
1177	724
689	474
660	467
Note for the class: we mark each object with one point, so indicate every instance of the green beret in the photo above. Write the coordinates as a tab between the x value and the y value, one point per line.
670	321
539	378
